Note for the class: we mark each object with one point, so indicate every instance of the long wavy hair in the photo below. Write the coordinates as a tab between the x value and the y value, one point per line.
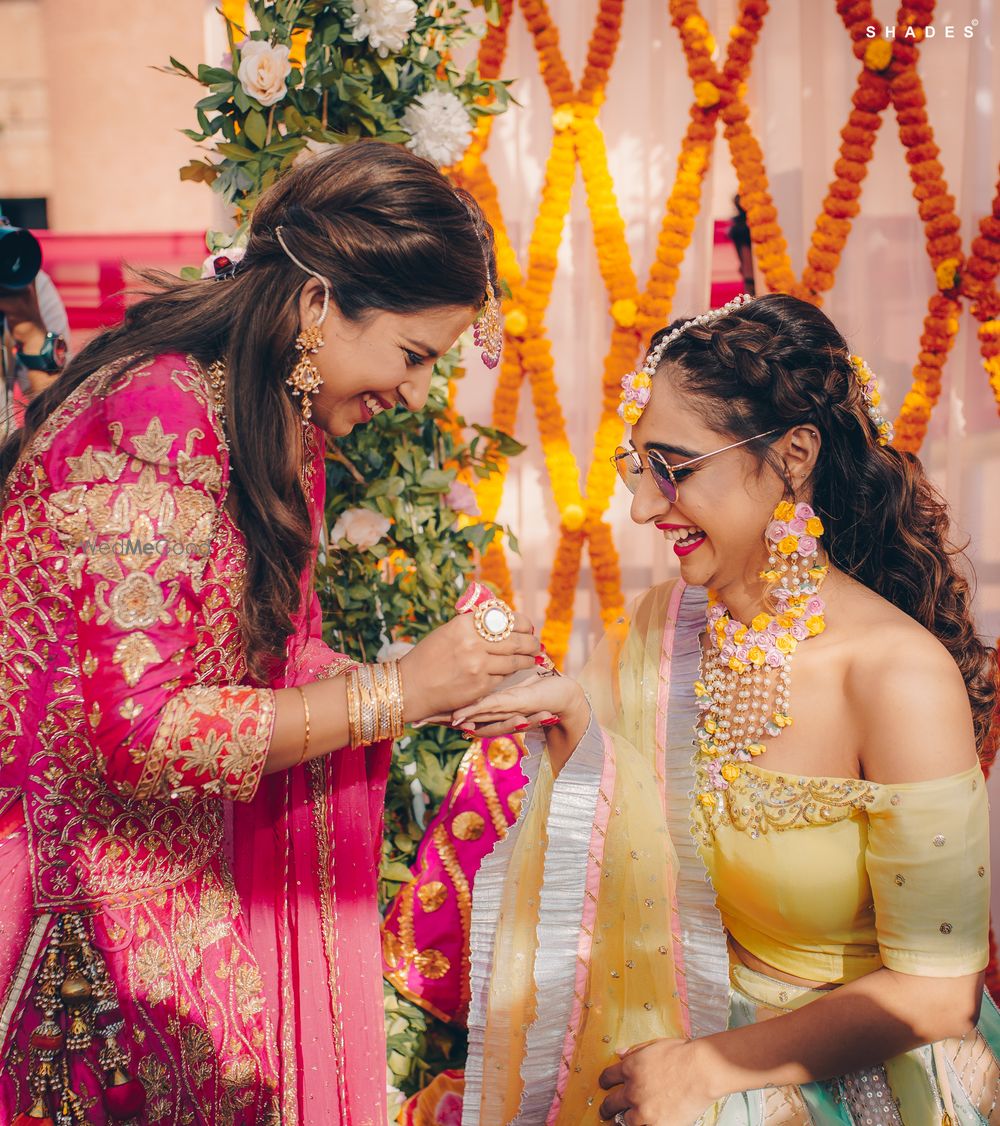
777	362
390	233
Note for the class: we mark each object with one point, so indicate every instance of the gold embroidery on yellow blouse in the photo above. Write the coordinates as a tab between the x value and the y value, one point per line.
756	803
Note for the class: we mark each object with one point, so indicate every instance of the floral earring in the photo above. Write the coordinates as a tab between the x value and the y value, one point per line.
792	537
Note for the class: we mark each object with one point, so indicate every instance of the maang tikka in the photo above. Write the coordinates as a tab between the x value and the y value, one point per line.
305	378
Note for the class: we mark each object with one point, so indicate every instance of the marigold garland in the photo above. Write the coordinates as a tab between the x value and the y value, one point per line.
887	74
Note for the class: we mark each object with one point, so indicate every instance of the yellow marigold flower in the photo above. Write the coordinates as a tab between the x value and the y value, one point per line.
786	621
952	323
642	380
705	748
730	772
784	511
631	413
875	397
707	799
710	44
624	312
737	665
740	635
814	526
516	322
562	118
878	54
785	643
699	688
711	726
706	94
770	576
756	655
789	545
815	625
782	720
990	328
695	24
756	749
573	517
946	273
759	623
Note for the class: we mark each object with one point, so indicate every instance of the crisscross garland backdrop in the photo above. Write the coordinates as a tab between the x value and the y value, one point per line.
887	76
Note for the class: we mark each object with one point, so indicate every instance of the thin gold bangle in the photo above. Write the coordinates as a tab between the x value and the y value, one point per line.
305	713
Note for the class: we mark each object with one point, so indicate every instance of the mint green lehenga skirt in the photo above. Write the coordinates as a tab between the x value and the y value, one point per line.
954	1082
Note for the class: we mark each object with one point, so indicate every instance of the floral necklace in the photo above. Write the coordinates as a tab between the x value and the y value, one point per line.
743	689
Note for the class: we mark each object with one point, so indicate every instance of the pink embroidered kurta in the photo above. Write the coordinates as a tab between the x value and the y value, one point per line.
223	907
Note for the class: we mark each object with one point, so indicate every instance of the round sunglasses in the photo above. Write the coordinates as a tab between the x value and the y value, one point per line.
667	477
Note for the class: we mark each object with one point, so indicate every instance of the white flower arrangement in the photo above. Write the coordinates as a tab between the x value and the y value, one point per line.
439	126
386	24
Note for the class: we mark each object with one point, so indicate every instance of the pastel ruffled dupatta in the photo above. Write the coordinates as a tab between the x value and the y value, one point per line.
305	855
585	933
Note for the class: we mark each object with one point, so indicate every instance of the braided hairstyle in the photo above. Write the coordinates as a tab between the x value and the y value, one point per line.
778	362
390	233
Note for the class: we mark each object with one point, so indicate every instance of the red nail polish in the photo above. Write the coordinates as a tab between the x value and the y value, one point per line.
468	731
551	722
522	727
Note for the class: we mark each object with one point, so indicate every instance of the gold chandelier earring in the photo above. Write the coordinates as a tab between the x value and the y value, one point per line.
305	378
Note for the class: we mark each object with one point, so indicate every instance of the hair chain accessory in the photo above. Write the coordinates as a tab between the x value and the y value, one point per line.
873	397
637	384
487	332
312	273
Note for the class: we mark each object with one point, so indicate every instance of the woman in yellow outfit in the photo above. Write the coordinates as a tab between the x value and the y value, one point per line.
831	971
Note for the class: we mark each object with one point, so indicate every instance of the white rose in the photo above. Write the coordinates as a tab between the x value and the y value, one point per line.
393	650
439	126
263	70
360	527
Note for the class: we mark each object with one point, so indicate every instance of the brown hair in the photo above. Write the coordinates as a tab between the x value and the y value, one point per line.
390	233
777	362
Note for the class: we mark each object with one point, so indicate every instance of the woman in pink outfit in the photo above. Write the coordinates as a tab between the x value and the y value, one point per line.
188	836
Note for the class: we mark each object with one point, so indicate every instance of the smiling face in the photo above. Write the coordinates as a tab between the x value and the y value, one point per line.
382	361
716	524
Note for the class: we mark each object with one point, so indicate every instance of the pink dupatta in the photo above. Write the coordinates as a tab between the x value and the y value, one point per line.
305	855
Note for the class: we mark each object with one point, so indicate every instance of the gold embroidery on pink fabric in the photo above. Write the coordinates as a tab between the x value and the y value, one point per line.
318	800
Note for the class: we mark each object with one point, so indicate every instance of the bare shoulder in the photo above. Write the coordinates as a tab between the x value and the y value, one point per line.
908	694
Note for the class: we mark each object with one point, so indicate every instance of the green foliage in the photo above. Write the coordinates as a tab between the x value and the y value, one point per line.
339	91
402	466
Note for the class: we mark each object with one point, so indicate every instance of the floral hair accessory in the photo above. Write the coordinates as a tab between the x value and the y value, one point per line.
637	384
224	265
872	396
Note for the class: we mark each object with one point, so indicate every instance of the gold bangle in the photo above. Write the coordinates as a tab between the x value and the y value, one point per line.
305	714
374	703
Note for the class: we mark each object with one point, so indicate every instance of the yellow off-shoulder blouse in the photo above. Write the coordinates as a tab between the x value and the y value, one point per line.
828	879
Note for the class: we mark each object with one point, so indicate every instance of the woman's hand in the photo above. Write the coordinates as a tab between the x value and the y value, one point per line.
453	666
545	700
660	1083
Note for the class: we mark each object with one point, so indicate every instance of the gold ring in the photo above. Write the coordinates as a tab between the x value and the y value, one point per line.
494	620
